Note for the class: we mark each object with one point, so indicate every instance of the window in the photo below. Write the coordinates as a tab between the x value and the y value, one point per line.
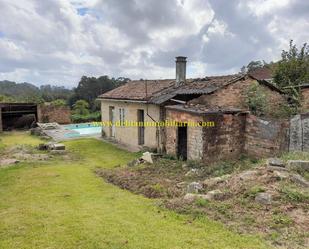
121	116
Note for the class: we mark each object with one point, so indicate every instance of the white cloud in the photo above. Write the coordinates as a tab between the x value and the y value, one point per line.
58	41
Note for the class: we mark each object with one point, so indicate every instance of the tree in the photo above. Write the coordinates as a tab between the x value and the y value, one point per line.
50	93
89	88
81	107
252	65
293	70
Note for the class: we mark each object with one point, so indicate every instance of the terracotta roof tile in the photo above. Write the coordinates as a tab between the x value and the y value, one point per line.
138	89
261	73
159	91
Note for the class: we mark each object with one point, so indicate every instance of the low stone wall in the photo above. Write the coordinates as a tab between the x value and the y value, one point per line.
266	137
50	113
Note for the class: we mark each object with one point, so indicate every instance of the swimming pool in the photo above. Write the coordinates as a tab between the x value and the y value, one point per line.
82	130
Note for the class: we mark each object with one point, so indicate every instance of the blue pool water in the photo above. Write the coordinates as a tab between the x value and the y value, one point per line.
82	130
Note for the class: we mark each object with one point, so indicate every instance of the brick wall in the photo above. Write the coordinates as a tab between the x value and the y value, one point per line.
234	95
266	137
50	113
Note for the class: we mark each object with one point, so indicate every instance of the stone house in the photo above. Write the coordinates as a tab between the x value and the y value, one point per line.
221	99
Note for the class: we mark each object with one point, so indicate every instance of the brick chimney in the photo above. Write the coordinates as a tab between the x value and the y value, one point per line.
181	62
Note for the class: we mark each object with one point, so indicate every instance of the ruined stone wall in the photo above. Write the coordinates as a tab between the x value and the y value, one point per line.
226	139
194	135
266	137
223	141
234	96
50	113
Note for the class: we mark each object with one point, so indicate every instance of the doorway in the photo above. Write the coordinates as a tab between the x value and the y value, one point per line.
182	142
112	121
141	127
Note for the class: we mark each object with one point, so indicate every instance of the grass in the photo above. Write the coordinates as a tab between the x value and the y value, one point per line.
294	195
62	204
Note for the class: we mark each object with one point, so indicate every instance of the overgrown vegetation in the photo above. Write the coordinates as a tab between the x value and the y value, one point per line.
240	183
293	70
258	101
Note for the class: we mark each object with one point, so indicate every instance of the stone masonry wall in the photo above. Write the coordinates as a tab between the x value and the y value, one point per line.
234	96
226	139
232	136
266	137
50	113
194	135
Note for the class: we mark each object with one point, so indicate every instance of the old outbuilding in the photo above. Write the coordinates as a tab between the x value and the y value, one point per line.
219	99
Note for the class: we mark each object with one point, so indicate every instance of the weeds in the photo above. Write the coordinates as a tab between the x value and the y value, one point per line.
252	192
294	195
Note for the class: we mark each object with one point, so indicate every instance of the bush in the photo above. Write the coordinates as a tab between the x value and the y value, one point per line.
81	107
201	202
59	102
257	100
78	118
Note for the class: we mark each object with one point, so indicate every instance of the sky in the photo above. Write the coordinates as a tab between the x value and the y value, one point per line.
58	41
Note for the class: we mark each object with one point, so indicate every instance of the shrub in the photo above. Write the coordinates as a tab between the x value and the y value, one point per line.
59	102
78	118
201	202
281	220
256	100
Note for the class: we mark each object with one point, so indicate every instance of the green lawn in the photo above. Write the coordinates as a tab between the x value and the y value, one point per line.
63	204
